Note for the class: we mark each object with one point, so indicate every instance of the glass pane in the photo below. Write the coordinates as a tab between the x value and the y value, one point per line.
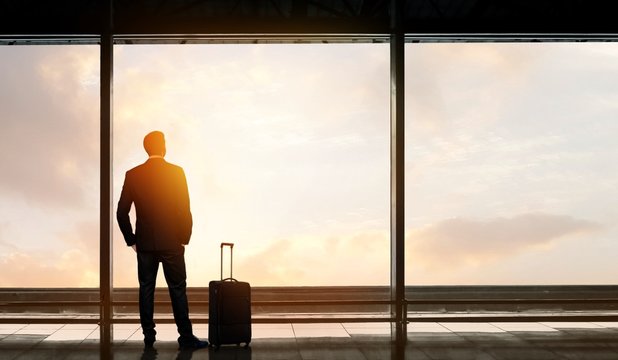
510	163
286	153
49	213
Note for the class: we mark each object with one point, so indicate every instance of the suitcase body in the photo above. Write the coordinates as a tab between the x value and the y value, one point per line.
229	312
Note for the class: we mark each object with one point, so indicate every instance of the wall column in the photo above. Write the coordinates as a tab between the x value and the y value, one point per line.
105	222
398	307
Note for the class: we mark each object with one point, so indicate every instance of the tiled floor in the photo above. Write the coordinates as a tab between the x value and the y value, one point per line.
365	341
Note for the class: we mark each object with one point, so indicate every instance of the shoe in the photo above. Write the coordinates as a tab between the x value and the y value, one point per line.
192	344
149	342
149	354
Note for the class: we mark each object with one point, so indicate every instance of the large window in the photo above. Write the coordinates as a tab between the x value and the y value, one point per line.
511	163
510	149
49	213
286	152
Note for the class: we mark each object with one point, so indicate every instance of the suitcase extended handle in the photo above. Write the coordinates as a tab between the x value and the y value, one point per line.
231	245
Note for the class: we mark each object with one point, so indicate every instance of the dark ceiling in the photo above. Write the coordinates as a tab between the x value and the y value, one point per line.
259	17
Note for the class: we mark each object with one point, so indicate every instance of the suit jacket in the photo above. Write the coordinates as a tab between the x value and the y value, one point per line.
161	197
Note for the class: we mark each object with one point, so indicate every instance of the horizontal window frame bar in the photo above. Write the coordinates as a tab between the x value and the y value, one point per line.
330	302
509	37
293	38
411	318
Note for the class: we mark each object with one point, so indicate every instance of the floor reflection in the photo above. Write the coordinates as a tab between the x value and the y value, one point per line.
425	341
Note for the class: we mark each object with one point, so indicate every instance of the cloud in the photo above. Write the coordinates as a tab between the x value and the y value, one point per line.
73	262
49	112
458	242
356	259
83	236
464	85
3	243
266	95
68	269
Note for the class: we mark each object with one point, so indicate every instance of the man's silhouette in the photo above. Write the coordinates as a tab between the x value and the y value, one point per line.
163	227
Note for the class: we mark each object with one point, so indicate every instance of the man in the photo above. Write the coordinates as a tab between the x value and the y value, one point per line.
163	228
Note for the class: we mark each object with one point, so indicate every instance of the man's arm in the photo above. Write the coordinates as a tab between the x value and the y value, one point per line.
122	213
186	219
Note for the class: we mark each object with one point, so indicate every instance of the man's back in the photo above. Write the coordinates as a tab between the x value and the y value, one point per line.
159	191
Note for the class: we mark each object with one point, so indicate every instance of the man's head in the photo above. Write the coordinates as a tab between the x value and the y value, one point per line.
154	143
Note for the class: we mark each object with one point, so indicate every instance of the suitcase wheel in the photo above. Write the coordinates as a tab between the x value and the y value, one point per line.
216	347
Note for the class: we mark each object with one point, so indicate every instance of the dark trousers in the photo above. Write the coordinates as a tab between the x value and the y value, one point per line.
176	276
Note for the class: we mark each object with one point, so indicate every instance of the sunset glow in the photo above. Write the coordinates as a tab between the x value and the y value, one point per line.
510	160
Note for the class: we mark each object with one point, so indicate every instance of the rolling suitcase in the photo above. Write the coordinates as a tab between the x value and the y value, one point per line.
229	309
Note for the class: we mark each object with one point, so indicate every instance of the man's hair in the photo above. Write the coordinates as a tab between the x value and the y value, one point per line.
154	143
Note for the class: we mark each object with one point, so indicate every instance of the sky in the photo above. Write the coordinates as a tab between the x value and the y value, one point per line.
511	175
